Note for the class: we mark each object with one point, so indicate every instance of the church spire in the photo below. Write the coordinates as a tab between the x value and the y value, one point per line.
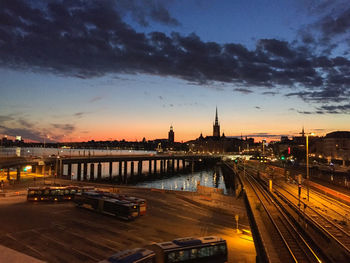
216	126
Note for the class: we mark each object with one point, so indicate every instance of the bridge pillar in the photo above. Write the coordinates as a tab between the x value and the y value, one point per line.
85	171
167	165
61	168
192	166
149	166
161	166
69	175
79	172
155	166
183	164
177	165
120	171
92	172
99	171
18	178
58	166
43	169
132	168
125	172
110	171
173	165
139	166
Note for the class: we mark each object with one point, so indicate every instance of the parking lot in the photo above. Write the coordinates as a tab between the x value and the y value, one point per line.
60	232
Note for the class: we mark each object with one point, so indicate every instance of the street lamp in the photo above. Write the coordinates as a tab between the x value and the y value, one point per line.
307	164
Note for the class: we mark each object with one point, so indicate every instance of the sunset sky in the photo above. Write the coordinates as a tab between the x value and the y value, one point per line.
127	69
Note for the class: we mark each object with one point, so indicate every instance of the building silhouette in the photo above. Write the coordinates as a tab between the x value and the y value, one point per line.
215	143
171	135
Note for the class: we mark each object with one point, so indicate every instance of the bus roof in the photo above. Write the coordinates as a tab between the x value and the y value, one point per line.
210	239
34	188
189	241
130	255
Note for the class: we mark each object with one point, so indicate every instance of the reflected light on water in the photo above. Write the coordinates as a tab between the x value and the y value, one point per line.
188	182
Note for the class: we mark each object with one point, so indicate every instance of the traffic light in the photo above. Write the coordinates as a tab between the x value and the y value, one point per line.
283	158
236	161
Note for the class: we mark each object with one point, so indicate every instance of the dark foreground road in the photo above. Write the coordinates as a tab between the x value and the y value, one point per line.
60	232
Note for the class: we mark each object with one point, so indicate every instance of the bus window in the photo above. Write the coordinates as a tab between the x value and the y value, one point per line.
193	253
203	252
31	193
179	256
222	249
172	257
184	255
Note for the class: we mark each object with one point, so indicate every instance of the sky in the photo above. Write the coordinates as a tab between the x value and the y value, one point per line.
74	70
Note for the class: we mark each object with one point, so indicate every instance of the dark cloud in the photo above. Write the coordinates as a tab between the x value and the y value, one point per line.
16	124
23	122
64	127
331	26
160	14
335	25
305	112
26	133
145	11
335	109
257	107
5	118
85	39
242	90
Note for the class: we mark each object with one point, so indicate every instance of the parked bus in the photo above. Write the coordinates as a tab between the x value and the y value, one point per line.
56	193
97	202
47	193
184	250
142	204
34	193
202	249
136	255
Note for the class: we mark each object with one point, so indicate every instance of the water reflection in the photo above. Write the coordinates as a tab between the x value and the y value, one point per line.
188	182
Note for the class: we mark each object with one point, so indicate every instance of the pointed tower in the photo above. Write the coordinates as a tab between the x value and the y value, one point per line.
171	135
216	125
302	132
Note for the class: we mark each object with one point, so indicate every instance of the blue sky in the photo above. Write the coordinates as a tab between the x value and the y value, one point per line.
130	69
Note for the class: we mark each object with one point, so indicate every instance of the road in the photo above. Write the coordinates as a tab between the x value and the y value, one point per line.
60	232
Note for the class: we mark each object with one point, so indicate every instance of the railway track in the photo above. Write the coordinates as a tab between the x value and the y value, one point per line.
324	226
331	229
292	247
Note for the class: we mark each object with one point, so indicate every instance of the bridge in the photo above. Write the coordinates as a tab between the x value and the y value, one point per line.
55	165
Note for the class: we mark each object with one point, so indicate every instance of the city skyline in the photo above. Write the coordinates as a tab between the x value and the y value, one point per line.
118	70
